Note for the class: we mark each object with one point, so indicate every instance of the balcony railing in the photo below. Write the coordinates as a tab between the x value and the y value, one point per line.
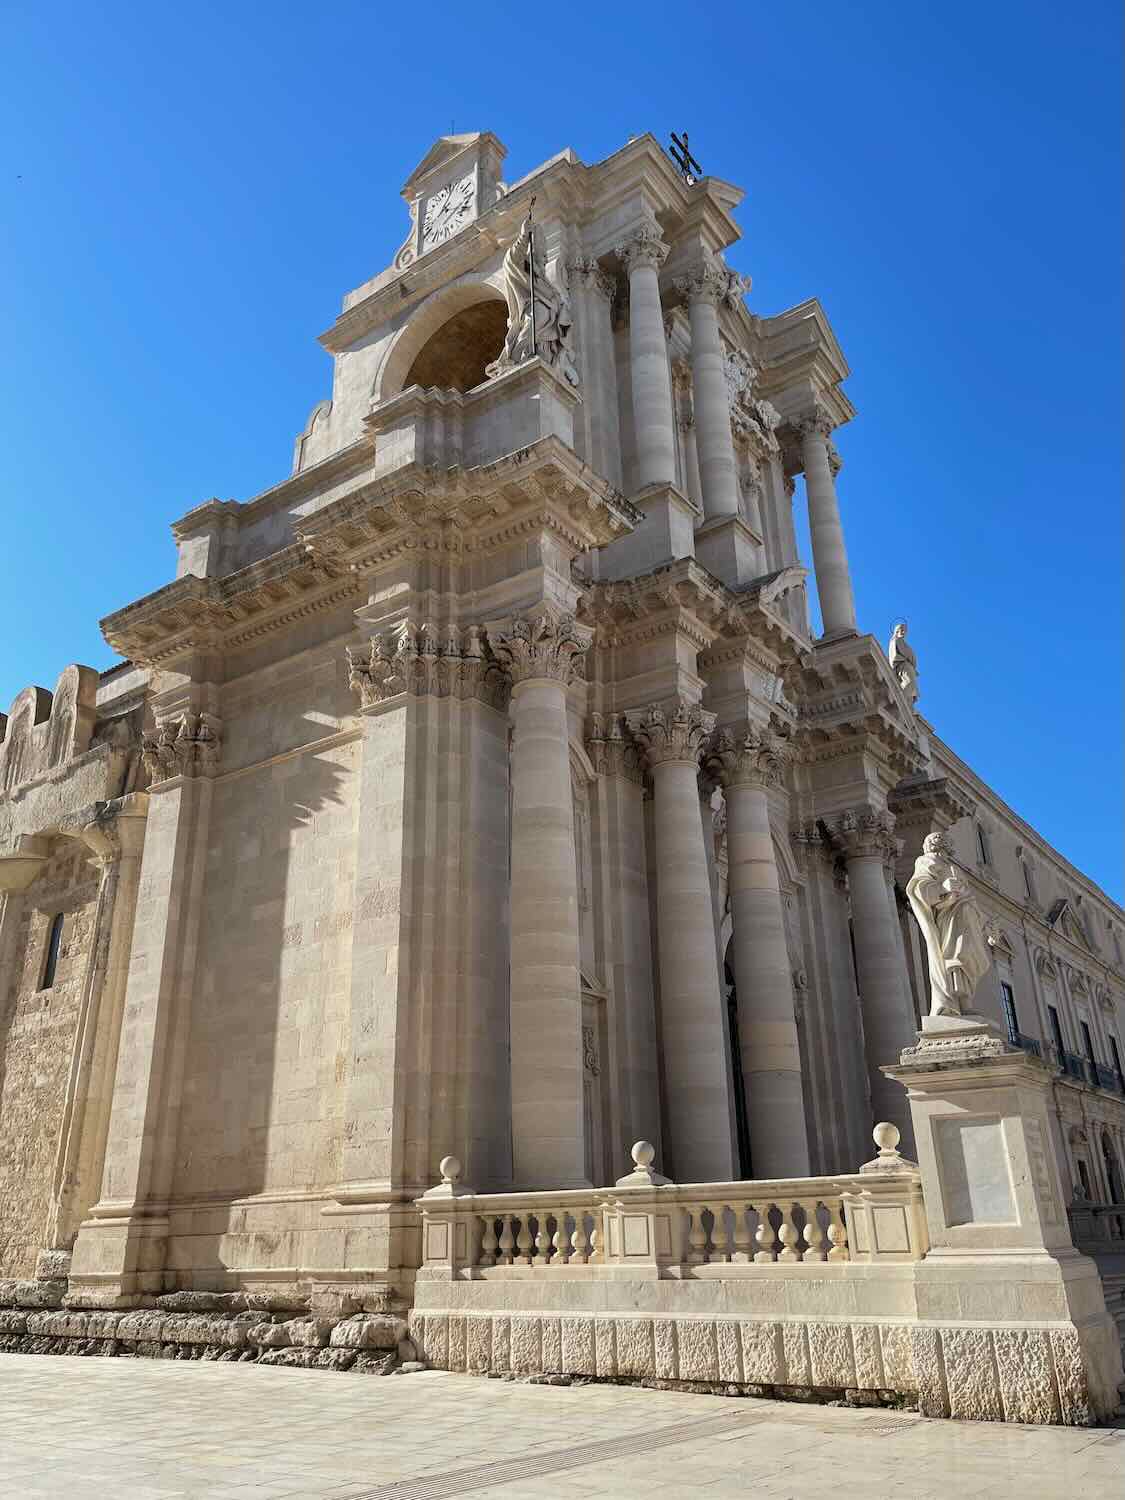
1028	1043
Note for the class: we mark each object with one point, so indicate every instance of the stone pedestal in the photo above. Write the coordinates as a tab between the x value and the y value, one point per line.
666	533
1000	1242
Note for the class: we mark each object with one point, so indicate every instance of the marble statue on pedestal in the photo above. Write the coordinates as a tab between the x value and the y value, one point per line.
539	316
952	926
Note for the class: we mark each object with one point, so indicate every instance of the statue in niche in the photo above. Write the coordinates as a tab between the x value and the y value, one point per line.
904	663
952	925
523	267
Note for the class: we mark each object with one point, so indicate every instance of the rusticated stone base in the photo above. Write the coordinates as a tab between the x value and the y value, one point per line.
1029	1374
203	1325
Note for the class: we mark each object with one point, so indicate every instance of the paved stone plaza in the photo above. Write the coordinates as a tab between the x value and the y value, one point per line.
147	1429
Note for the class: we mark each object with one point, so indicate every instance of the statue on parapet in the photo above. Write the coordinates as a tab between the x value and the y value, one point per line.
952	925
904	663
539	316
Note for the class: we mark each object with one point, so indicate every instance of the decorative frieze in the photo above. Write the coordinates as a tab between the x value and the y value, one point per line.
676	733
188	744
748	756
442	661
542	645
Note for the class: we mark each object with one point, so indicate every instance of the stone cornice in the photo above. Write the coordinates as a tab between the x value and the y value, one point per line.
684	596
846	698
460	514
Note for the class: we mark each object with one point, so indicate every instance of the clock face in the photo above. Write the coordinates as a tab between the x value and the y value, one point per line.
447	210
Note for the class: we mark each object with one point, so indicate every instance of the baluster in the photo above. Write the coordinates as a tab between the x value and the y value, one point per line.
596	1251
837	1232
816	1245
561	1240
523	1242
581	1252
507	1241
542	1240
787	1234
764	1235
741	1250
488	1243
722	1235
697	1237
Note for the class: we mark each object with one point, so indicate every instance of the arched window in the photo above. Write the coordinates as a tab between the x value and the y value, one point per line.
51	961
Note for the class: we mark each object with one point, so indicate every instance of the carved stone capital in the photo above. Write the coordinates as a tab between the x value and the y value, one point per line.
183	745
818	421
676	733
835	462
864	833
587	273
708	282
442	661
612	749
643	247
542	646
748	756
810	844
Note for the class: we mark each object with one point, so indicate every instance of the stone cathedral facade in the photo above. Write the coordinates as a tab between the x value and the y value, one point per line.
483	789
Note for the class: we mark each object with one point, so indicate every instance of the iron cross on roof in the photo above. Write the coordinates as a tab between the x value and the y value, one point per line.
681	155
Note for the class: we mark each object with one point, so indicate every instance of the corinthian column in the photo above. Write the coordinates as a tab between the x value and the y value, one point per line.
748	764
593	301
704	290
642	255
830	558
699	1133
548	1124
865	838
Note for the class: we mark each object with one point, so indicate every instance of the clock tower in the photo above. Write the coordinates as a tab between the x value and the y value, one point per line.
456	181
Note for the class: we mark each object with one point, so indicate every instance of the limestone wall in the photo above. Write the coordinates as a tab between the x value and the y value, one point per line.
262	1102
37	1031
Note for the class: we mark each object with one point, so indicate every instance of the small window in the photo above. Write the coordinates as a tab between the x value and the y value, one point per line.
51	962
1084	1176
1029	882
982	846
1056	1029
1115	1055
1009	1002
1116	946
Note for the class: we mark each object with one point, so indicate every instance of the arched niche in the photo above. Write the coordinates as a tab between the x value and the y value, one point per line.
448	342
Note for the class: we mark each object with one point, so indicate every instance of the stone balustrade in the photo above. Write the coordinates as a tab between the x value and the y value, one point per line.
674	1228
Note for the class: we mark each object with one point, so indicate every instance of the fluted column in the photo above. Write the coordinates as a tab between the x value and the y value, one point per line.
830	558
548	1128
642	255
704	290
865	838
749	763
699	1129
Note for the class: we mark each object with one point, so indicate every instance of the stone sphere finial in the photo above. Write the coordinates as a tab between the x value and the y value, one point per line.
886	1136
450	1169
643	1154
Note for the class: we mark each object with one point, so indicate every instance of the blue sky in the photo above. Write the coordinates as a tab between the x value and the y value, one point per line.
187	192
